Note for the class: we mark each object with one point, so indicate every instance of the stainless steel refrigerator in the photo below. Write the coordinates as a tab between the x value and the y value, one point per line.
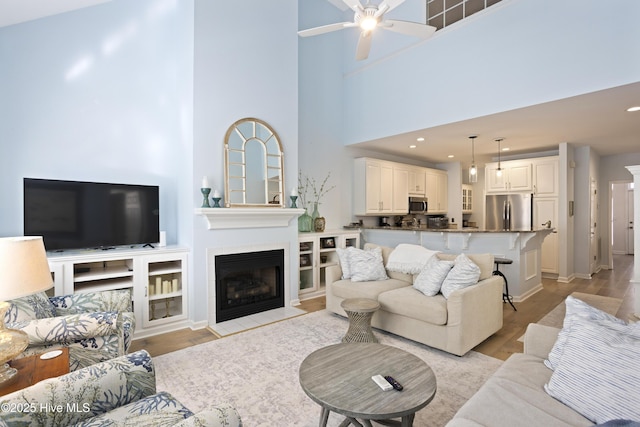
509	212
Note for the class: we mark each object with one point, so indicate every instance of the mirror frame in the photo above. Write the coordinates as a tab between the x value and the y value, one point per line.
254	137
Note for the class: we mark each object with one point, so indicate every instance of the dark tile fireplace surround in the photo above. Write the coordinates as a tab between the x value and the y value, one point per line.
248	283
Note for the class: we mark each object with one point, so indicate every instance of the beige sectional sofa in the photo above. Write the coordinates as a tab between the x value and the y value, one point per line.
454	325
515	395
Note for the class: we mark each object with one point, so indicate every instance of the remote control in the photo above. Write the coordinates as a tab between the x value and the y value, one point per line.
382	383
394	383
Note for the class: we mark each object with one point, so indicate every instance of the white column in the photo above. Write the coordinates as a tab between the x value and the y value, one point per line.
635	279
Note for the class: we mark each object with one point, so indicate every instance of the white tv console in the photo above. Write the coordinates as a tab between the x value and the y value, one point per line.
157	278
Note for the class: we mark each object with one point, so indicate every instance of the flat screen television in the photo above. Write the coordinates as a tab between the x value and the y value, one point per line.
76	214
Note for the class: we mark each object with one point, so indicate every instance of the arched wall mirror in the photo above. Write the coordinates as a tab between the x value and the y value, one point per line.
253	165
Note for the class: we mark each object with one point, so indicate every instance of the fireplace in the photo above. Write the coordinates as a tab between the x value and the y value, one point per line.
248	283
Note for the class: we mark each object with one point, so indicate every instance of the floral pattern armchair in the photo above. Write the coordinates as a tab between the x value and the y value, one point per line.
96	326
118	392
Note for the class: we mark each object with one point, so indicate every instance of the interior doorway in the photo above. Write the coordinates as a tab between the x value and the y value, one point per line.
621	214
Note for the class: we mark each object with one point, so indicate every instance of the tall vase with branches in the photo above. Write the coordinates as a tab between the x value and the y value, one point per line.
306	185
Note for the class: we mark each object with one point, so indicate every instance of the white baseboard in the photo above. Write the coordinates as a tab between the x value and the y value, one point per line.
527	294
198	325
569	279
162	329
583	276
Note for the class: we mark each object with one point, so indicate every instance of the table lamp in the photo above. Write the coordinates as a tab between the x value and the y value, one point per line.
25	271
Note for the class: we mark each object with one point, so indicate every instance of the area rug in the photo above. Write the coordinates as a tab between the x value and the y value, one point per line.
257	372
555	317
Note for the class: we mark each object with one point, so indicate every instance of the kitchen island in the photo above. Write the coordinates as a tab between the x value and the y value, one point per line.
523	247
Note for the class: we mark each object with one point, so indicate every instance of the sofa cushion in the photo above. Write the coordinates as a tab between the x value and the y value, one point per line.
484	261
412	303
386	252
348	289
464	273
366	265
159	409
599	371
409	259
430	279
514	396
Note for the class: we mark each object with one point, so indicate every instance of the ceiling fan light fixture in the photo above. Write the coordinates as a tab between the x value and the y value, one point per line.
473	170
368	23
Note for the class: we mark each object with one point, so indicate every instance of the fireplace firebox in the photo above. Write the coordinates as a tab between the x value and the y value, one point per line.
248	283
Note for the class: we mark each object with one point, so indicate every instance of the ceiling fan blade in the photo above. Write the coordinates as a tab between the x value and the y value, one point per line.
388	5
325	29
409	28
364	45
354	5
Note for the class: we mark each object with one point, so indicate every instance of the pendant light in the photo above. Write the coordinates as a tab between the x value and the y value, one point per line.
499	170
473	170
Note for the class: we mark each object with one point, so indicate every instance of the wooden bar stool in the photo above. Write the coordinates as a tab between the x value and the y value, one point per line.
505	296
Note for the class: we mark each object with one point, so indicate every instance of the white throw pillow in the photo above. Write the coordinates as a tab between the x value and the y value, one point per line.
343	256
598	374
367	265
576	311
464	273
409	259
432	275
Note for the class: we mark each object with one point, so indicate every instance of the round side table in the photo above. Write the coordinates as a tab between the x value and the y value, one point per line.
360	311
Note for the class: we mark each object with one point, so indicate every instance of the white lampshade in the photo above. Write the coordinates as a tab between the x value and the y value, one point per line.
25	271
24	267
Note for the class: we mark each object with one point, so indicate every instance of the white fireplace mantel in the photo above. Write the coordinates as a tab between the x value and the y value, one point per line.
229	218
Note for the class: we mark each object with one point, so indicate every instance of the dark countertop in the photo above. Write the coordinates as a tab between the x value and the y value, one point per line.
450	230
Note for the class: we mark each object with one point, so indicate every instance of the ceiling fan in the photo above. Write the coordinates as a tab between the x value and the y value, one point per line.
368	18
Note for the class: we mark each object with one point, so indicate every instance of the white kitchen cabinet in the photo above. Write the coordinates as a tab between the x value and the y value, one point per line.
517	175
436	191
165	298
317	252
545	176
400	201
374	188
546	209
467	198
417	181
160	310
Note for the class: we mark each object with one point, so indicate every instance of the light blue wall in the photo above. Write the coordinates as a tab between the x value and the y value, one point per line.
246	65
612	168
100	94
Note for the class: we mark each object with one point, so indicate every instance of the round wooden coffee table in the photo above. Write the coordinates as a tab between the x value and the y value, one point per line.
360	311
338	378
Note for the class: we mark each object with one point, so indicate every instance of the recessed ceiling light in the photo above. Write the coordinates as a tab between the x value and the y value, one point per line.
633	109
412	146
420	139
450	156
505	149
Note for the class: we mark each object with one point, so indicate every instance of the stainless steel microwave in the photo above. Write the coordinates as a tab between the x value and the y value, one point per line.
418	205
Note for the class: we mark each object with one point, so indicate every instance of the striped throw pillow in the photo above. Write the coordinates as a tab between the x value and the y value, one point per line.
598	374
576	311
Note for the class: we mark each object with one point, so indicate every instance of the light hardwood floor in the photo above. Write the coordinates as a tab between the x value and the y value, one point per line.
613	283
